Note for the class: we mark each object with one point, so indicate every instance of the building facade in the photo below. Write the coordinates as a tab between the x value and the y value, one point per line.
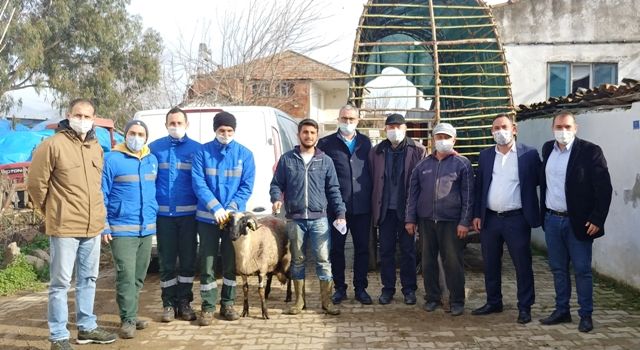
554	47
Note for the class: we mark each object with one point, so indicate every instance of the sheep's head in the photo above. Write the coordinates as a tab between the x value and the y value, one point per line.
240	223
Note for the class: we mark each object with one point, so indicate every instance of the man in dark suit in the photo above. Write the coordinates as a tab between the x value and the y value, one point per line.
349	150
575	197
505	210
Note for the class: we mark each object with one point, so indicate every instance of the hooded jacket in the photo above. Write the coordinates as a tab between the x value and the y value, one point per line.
129	187
64	183
307	189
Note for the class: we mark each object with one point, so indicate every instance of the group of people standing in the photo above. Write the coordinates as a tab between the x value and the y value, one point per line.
175	188
402	191
181	190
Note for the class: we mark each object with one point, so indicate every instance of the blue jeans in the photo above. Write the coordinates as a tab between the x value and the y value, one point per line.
563	247
317	233
392	231
67	253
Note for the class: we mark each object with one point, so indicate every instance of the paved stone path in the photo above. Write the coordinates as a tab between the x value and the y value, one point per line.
396	326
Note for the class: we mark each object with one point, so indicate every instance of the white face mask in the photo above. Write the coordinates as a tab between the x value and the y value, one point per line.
444	146
564	137
395	135
81	126
225	140
503	137
176	132
135	143
347	129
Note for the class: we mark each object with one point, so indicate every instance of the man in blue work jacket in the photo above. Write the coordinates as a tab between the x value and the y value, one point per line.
223	173
177	229
129	188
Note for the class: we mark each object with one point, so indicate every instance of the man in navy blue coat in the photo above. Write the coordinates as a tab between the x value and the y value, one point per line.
349	151
576	194
505	210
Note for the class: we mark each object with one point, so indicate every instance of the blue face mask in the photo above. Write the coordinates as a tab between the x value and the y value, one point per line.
135	143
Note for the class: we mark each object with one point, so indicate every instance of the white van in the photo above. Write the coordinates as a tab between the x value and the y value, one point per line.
268	132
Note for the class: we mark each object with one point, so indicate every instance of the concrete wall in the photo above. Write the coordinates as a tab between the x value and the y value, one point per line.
534	33
568	20
617	253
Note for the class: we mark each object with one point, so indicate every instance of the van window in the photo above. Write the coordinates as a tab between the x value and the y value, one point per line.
288	132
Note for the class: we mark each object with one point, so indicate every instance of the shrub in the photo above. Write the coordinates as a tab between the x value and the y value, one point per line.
41	241
18	276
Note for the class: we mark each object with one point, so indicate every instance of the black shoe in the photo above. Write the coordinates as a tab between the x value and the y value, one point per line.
431	306
185	312
487	309
363	297
586	324
556	317
339	296
524	317
457	309
410	298
385	298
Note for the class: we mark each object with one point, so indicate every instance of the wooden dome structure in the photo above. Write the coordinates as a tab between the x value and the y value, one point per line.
432	61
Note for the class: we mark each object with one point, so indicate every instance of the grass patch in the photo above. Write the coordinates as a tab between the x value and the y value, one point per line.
19	276
615	294
41	241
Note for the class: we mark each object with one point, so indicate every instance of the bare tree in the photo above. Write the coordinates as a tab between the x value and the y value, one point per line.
245	66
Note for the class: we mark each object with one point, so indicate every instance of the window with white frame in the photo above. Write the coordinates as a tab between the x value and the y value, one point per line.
565	78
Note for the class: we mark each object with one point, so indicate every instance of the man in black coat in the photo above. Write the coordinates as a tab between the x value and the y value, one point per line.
575	198
349	151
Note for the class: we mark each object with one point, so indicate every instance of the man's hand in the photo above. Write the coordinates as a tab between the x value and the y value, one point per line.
340	225
411	228
275	208
591	228
463	231
106	238
477	224
221	215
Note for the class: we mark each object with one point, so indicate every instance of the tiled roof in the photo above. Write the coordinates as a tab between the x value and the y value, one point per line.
604	96
287	65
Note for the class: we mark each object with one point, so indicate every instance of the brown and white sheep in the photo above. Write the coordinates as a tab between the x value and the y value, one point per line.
261	248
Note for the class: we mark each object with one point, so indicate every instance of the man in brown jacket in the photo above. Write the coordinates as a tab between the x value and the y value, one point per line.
391	162
64	183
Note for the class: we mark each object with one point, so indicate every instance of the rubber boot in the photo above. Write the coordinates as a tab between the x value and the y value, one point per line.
296	308
325	292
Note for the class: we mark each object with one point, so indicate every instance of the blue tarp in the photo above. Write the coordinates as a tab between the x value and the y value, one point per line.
16	146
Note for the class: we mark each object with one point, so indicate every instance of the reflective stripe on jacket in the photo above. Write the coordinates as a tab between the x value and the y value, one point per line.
129	186
222	178
174	192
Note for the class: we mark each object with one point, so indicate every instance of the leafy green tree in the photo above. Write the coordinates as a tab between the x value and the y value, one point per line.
79	48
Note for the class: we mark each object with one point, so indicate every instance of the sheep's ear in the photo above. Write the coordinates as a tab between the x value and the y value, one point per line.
252	224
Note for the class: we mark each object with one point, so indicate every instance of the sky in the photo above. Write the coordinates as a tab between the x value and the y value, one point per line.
195	21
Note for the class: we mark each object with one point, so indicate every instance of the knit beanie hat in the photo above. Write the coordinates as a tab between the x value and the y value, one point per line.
136	122
224	119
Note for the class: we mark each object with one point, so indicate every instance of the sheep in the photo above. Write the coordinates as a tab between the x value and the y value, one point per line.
262	248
